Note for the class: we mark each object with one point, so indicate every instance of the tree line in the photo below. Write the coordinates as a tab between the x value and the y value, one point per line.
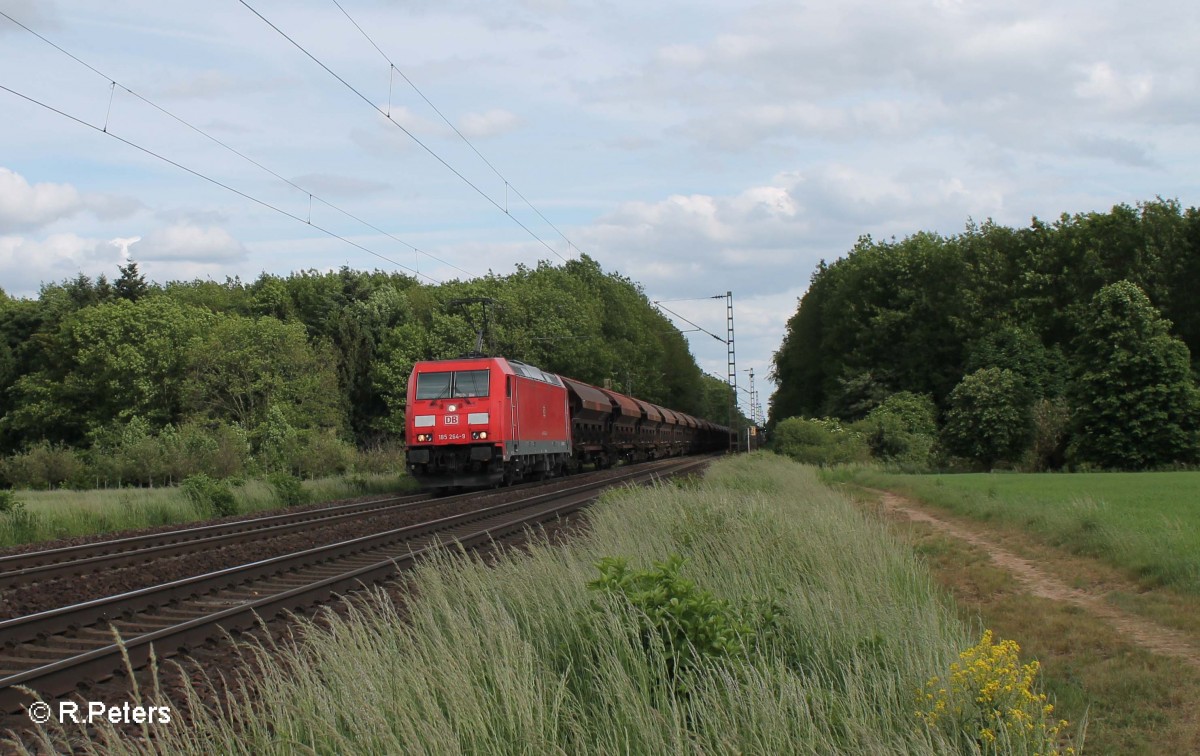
133	382
1066	344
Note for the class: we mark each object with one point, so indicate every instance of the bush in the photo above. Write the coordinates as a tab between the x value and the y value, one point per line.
990	418
17	524
320	454
288	488
8	502
819	442
902	429
211	498
690	624
1048	450
990	702
381	460
44	466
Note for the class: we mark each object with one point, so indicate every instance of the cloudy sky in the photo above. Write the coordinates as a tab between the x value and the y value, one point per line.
695	147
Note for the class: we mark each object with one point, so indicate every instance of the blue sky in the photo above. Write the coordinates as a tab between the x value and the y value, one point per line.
694	147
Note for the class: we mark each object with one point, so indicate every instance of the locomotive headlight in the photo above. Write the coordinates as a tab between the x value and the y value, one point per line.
424	437
479	435
451	407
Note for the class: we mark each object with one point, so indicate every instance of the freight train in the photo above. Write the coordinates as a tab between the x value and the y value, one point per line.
487	421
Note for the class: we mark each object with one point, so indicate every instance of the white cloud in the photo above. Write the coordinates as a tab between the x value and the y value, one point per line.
25	206
1114	90
182	242
487	124
28	263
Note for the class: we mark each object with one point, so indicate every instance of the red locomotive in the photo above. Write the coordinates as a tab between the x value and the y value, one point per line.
482	421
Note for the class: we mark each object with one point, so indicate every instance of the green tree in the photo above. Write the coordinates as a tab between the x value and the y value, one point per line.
990	417
131	285
1134	397
241	367
109	362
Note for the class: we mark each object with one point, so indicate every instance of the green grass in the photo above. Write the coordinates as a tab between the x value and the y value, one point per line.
1146	523
47	515
519	656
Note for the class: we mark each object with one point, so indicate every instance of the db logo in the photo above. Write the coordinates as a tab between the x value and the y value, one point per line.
450	419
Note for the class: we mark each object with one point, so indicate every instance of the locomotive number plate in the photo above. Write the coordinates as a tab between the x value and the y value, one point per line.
450	419
452	437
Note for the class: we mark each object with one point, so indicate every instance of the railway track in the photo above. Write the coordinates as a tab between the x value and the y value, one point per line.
69	561
54	652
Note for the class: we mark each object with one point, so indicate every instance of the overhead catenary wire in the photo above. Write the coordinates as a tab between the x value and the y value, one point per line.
214	181
311	196
685	320
406	131
507	184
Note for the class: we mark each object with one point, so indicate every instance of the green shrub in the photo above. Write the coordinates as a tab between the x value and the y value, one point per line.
1051	418
690	624
820	442
44	466
288	488
990	417
902	429
8	502
319	454
381	460
17	524
212	498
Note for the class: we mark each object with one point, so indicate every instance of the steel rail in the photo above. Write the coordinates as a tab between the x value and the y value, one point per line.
58	677
16	566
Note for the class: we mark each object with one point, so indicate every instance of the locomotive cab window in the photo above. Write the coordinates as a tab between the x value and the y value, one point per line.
462	384
433	385
470	383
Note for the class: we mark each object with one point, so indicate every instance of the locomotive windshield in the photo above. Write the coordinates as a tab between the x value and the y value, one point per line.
465	383
469	383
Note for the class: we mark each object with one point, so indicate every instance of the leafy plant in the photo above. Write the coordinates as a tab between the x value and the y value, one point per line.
17	520
819	441
990	699
288	488
210	497
902	429
8	502
691	624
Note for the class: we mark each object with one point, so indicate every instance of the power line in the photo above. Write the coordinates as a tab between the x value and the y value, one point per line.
231	149
212	180
410	135
685	320
495	170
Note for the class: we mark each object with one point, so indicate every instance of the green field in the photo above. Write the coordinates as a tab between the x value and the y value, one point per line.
46	515
796	624
1147	523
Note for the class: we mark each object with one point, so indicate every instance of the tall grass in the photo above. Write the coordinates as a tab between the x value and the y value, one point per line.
46	515
1147	523
519	656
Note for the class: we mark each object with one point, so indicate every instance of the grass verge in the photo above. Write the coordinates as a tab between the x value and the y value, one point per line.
1134	702
47	515
521	655
1147	524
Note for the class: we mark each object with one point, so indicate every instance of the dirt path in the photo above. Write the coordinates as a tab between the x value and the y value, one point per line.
1142	632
